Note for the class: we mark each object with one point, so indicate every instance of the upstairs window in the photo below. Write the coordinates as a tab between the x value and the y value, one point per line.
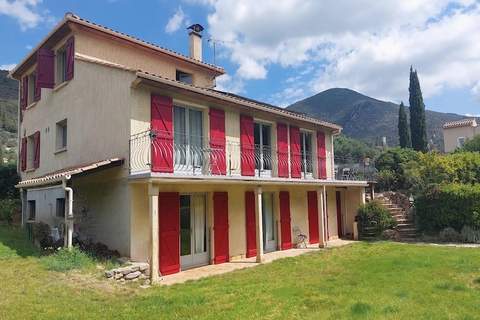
263	146
306	151
61	66
188	138
61	135
184	77
30	151
31	88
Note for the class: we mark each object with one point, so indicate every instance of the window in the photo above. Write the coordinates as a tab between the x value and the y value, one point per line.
306	151
61	66
30	151
460	142
184	77
31	210
188	137
60	208
31	88
263	146
61	135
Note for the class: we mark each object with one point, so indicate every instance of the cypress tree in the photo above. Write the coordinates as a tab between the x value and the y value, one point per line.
418	128
403	129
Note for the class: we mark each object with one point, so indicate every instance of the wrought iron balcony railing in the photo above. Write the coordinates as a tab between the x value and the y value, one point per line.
195	155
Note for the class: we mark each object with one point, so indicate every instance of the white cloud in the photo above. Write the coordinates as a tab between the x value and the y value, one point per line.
476	91
8	66
367	45
227	83
24	11
176	21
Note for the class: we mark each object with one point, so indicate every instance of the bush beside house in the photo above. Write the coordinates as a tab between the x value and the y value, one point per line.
373	219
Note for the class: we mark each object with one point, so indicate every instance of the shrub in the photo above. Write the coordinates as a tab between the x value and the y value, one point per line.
8	208
374	216
449	235
8	179
394	161
451	205
469	234
386	180
472	145
65	260
43	234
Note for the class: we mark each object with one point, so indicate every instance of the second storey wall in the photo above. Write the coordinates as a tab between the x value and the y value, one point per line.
95	103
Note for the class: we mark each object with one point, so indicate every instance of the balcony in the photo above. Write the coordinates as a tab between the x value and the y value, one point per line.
197	156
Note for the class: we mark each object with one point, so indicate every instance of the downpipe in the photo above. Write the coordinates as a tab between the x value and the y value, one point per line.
69	216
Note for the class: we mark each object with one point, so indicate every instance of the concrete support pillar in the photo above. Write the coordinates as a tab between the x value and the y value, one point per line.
362	196
321	216
325	214
154	233
259	224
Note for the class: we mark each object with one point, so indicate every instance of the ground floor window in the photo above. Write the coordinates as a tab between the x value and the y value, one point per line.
31	208
193	230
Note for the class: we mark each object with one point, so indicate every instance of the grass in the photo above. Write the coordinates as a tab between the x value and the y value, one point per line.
364	281
66	260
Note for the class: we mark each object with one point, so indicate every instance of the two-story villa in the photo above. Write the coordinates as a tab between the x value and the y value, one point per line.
129	144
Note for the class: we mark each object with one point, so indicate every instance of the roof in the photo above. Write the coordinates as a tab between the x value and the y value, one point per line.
460	123
57	176
234	98
72	18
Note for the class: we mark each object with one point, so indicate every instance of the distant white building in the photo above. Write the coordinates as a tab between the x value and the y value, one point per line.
456	133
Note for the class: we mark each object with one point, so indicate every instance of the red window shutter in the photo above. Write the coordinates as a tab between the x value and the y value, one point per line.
220	227
169	232
45	68
162	133
285	228
247	147
321	156
312	216
24	93
23	155
38	90
217	142
250	224
295	153
36	158
282	149
70	53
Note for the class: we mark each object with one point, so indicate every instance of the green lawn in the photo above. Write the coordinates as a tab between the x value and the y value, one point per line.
366	281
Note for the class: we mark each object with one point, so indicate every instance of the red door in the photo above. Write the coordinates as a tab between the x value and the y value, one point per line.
312	216
169	232
250	224
220	226
339	214
285	228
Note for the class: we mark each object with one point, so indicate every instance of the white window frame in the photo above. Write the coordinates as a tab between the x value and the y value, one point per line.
177	72
61	136
60	65
261	171
461	141
303	135
30	152
31	89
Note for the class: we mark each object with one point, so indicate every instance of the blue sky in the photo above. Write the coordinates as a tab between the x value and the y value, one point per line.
283	51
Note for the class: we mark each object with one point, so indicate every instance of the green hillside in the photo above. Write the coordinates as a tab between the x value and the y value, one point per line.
8	117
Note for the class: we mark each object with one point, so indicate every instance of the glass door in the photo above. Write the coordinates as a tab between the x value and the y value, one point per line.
193	231
268	222
263	149
188	139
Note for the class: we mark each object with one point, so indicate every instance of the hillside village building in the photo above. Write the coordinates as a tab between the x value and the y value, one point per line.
456	133
129	144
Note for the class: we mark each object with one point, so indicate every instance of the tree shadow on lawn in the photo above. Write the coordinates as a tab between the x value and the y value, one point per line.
14	242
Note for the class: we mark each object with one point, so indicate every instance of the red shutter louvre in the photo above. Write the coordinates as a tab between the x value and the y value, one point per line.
169	232
295	153
45	68
286	242
162	134
38	90
247	148
36	158
24	93
23	155
70	53
282	149
312	216
321	156
220	227
250	224
217	142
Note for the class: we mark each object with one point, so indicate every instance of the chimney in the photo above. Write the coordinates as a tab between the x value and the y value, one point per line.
195	39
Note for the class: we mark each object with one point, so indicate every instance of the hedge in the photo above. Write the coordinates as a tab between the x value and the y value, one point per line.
450	205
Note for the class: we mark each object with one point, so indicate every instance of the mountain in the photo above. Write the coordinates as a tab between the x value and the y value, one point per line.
8	117
366	118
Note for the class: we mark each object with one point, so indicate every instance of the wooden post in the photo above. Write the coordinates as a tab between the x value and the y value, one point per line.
154	226
259	226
